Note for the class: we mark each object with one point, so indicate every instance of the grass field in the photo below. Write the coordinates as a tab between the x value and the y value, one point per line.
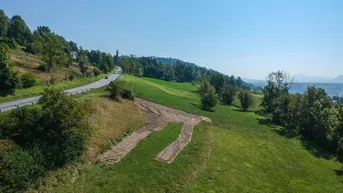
239	152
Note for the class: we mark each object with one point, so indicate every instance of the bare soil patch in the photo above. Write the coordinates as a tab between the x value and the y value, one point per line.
157	117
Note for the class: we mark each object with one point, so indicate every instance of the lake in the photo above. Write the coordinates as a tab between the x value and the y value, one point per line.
332	89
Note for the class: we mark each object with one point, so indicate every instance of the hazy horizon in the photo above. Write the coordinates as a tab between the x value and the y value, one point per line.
244	38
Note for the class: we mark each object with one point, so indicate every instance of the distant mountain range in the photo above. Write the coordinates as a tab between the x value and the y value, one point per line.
302	78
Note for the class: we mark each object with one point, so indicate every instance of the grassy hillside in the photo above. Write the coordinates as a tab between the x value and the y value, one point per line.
28	63
239	152
24	63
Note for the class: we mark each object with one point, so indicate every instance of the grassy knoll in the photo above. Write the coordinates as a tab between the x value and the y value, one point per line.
239	152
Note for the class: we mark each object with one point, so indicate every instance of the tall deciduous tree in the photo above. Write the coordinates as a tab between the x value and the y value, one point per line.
4	23
228	94
19	31
8	78
278	83
51	48
246	99
83	63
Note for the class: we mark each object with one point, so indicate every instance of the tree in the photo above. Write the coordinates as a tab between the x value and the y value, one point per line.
19	31
246	99
83	63
217	81
4	23
228	94
41	30
73	47
204	88
208	96
8	78
51	48
278	83
116	58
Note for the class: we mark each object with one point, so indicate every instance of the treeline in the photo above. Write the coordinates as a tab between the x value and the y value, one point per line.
40	138
53	49
311	115
177	71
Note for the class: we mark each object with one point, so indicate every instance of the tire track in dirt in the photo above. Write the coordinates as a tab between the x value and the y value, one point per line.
157	117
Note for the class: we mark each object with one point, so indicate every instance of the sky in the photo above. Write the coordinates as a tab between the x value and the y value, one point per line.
246	38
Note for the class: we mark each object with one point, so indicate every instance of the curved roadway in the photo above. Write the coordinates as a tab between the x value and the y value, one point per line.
32	100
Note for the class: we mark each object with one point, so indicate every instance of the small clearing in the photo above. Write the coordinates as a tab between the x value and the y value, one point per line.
157	117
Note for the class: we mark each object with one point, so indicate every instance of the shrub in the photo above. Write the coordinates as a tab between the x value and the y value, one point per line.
96	72
115	89
28	80
127	94
89	74
228	94
208	96
246	99
17	167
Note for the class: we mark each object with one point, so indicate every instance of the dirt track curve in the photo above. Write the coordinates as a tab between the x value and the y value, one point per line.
157	117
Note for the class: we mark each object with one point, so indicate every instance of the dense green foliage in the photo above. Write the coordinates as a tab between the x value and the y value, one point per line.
208	96
8	78
228	94
311	114
51	48
4	22
176	71
246	99
28	80
83	63
116	90
47	136
19	31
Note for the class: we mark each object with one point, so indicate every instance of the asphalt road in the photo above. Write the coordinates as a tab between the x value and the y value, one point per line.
32	100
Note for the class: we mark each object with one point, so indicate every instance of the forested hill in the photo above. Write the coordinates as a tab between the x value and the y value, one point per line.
172	61
171	69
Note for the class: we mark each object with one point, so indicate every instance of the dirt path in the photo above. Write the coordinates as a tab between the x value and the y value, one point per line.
157	117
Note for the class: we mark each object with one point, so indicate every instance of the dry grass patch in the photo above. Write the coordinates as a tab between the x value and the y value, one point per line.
110	120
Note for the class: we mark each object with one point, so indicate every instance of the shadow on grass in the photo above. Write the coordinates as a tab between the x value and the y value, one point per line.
243	111
201	108
286	133
339	172
266	121
309	145
4	93
315	150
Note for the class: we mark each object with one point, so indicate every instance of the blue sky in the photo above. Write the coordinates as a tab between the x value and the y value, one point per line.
243	38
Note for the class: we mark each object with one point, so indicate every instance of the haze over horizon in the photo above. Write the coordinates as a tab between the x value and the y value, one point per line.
243	38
